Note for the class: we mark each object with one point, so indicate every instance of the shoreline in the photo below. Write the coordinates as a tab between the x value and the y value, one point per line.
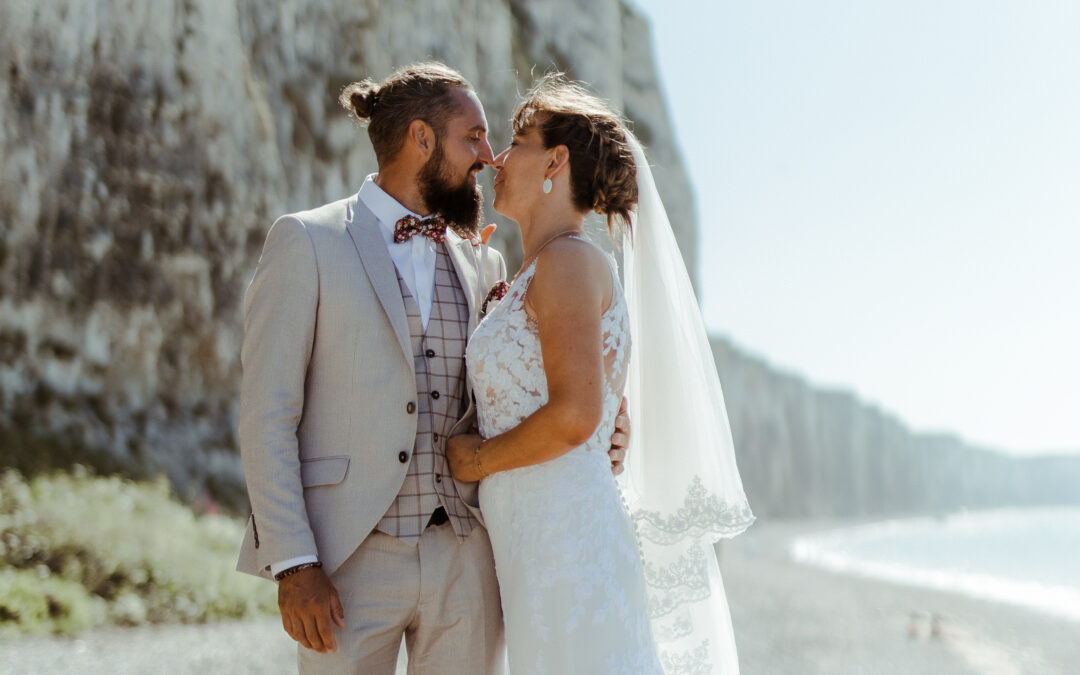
791	617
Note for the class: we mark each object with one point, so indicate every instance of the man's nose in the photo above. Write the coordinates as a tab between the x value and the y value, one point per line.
487	157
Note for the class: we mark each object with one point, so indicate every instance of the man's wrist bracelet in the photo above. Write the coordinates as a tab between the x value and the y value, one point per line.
293	570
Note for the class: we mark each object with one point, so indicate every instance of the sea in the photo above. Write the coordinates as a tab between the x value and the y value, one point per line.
1025	557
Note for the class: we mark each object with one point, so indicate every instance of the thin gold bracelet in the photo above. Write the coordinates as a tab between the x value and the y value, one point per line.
479	466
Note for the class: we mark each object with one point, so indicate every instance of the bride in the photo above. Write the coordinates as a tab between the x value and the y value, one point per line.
594	578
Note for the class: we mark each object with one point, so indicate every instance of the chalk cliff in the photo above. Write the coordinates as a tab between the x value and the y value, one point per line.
148	146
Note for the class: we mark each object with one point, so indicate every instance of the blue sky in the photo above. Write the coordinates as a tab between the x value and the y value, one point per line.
894	199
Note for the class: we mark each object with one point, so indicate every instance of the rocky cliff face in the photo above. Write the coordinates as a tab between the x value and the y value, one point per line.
147	147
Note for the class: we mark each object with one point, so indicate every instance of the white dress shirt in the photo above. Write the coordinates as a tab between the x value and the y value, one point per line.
414	259
415	262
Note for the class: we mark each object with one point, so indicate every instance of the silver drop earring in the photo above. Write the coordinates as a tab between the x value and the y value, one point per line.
547	186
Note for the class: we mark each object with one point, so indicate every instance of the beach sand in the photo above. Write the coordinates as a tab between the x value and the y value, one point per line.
789	618
793	618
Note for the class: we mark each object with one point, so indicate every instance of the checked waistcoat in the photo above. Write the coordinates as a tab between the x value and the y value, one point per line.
439	360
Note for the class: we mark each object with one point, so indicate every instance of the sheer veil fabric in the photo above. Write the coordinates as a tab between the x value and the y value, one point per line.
682	485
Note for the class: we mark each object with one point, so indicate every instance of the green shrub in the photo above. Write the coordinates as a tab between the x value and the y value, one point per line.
92	550
33	601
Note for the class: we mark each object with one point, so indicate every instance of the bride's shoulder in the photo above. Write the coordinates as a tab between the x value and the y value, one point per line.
575	264
576	250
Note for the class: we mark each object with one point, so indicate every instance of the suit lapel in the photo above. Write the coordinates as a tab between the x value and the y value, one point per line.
463	255
363	228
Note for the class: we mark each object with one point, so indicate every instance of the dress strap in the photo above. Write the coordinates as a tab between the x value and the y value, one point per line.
537	252
529	266
530	269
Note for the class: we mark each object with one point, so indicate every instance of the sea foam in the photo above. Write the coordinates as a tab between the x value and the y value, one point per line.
1026	557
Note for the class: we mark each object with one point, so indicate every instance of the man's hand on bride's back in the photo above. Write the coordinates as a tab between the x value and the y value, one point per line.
460	455
620	440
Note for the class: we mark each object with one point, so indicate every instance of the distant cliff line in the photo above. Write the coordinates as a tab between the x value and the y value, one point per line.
806	452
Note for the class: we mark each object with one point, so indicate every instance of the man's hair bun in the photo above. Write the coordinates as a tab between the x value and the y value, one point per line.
360	98
421	91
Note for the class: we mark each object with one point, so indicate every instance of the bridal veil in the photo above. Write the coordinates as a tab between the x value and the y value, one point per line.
682	484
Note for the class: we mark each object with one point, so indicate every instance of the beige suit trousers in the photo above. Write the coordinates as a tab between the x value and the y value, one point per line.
441	594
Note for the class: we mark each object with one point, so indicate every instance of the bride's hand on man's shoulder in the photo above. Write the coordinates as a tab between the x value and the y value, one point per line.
484	235
460	451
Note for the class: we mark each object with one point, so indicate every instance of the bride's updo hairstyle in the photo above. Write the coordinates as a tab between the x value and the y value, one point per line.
603	176
423	91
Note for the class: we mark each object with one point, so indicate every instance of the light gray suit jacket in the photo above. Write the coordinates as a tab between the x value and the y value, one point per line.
328	379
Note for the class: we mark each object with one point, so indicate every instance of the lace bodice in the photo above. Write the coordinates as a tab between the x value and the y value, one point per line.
570	574
506	367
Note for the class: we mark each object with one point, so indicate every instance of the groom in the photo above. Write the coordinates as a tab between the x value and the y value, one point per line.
353	378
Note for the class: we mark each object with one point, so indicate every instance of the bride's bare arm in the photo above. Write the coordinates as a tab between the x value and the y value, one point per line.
571	288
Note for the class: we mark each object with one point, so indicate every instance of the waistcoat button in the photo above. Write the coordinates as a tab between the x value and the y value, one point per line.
435	394
430	353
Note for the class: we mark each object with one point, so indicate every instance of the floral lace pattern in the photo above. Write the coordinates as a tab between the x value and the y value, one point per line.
570	572
702	514
681	573
692	662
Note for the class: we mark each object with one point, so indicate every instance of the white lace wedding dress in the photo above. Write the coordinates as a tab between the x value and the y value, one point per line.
570	572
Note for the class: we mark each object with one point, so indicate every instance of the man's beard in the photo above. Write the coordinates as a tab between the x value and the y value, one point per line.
460	206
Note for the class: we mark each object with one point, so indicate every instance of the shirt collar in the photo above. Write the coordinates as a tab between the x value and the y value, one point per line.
387	209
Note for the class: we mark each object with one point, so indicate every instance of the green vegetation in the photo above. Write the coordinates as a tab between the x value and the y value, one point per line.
78	551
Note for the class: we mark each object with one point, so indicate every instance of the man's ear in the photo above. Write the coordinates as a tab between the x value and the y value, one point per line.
421	138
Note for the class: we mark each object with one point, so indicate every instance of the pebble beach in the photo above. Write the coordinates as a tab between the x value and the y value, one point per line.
789	618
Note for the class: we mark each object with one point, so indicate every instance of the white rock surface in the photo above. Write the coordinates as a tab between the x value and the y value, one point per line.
148	145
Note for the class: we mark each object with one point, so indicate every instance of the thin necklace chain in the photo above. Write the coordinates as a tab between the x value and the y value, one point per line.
525	265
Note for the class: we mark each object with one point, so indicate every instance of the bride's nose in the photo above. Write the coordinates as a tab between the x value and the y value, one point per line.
498	163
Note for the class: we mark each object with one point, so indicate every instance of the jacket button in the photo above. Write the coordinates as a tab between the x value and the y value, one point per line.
403	456
430	353
410	407
435	395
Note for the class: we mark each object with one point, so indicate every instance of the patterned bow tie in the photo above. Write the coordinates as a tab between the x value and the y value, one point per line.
434	228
